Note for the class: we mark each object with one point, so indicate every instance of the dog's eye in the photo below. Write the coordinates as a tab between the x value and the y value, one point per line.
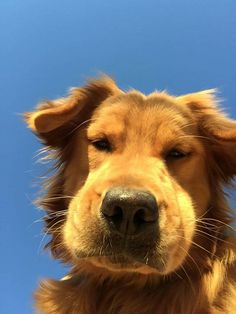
102	144
175	154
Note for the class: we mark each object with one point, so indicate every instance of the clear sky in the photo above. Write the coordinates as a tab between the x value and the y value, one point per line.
47	47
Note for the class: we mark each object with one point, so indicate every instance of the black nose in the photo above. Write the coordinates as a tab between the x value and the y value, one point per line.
129	211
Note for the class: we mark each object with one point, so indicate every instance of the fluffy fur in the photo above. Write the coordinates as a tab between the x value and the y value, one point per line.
180	149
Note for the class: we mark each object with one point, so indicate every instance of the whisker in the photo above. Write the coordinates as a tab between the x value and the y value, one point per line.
196	244
221	222
48	231
189	279
79	126
201	247
57	214
59	197
205	212
189	255
209	227
176	273
207	235
197	136
40	220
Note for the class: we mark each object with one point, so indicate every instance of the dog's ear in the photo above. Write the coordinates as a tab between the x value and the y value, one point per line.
218	130
53	119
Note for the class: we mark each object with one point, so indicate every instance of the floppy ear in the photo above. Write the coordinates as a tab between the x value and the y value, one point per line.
53	119
216	127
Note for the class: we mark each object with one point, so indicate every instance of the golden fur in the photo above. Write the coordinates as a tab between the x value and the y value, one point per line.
191	268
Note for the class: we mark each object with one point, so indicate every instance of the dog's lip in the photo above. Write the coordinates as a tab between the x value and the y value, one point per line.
129	266
118	258
123	261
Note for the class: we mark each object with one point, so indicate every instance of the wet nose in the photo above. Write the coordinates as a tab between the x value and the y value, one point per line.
129	211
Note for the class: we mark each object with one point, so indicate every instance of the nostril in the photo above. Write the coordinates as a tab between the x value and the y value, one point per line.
144	215
139	216
115	215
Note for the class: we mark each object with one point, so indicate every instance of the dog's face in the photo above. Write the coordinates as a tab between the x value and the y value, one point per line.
147	182
138	175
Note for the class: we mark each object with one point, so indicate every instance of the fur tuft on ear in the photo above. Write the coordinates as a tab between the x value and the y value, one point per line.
51	115
209	116
54	122
216	127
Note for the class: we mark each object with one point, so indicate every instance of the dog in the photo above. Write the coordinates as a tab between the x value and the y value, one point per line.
136	205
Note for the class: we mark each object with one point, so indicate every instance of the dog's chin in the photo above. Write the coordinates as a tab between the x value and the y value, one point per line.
122	263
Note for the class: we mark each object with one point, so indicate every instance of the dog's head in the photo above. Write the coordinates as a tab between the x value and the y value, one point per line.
136	175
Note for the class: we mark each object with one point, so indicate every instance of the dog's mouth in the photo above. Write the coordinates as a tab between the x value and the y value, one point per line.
119	262
125	257
125	264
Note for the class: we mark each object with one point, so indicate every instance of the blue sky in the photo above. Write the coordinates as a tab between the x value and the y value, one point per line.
49	46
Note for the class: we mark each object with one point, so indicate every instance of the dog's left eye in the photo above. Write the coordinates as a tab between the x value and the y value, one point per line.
101	144
175	154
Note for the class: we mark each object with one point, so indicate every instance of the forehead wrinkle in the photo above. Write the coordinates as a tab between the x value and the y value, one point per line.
108	121
160	125
134	100
116	111
169	102
139	116
157	115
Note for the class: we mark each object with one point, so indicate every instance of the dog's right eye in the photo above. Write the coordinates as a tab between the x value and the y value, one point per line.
101	144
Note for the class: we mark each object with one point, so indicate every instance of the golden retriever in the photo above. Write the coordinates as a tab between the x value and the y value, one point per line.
136	205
